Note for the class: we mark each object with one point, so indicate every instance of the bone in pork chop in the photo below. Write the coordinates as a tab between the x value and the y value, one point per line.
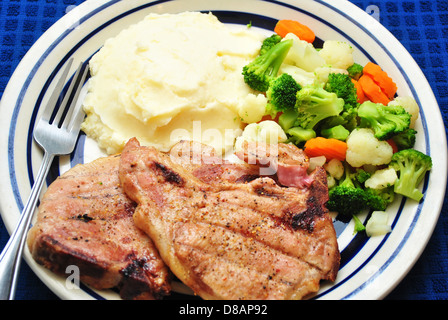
85	220
231	238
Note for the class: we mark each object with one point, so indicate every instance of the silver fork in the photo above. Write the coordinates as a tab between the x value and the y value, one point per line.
56	137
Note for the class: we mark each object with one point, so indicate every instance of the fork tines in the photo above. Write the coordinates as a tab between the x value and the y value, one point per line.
59	101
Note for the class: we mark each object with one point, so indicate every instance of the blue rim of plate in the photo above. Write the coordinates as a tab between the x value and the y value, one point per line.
257	20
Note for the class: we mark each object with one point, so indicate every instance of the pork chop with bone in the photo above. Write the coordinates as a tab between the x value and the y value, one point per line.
85	220
228	236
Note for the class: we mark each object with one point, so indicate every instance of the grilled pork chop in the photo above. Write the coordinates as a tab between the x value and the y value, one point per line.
227	237
85	220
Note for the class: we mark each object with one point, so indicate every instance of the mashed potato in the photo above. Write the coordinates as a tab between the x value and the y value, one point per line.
170	77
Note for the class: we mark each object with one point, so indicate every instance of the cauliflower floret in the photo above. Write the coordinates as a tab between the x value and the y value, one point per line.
266	131
363	148
304	78
303	54
335	168
331	181
252	108
382	178
410	105
338	54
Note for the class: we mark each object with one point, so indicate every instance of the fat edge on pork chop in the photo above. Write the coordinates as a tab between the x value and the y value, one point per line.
233	238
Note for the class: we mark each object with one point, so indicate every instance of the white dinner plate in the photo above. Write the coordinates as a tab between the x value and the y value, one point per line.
370	267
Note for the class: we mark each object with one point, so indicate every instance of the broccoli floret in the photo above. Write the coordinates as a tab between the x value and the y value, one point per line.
347	118
269	42
288	119
347	197
314	104
361	175
346	200
336	132
264	68
379	199
344	88
405	139
386	121
342	85
355	71
297	135
411	167
282	94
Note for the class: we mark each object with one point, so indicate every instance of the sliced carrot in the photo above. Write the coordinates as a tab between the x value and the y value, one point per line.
283	27
372	91
359	92
330	148
381	78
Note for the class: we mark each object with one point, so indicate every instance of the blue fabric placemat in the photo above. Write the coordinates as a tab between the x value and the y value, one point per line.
421	26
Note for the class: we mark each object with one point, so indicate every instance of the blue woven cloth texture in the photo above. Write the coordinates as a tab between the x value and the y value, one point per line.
421	26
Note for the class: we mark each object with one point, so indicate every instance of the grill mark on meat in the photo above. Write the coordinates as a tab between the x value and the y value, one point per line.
262	191
83	217
135	268
305	220
247	178
315	203
169	175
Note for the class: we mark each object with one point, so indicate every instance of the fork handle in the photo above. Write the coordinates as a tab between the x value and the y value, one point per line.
11	256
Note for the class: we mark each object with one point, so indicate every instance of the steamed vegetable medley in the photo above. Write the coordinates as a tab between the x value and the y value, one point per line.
347	118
